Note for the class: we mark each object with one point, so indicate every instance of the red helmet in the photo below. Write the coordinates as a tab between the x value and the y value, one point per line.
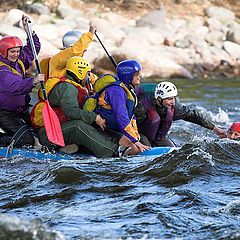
235	127
9	42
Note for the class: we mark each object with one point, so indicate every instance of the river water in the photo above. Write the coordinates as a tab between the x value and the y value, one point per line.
191	193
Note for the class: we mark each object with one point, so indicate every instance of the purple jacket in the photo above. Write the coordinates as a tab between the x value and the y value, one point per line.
14	88
120	114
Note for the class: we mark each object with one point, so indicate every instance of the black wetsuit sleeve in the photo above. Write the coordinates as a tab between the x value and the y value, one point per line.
191	115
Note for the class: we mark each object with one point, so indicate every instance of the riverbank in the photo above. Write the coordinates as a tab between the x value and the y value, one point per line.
168	40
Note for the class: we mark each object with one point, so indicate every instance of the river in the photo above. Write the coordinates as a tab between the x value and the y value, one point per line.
191	193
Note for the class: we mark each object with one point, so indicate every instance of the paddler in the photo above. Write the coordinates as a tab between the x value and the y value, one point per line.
158	107
15	87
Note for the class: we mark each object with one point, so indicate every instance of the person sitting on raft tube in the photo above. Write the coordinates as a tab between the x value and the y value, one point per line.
15	87
66	96
158	108
117	102
234	131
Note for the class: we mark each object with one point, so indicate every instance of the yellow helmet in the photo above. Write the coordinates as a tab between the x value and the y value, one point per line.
77	67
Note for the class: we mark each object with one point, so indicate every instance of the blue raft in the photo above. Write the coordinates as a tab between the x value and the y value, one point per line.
31	153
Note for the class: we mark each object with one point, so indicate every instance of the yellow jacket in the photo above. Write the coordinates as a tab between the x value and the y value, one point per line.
57	63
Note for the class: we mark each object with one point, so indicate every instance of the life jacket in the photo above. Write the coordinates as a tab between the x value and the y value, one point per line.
97	104
165	125
153	127
13	69
100	85
36	113
44	65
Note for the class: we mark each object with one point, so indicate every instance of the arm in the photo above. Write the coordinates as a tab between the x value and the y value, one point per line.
58	62
14	84
65	95
26	54
183	112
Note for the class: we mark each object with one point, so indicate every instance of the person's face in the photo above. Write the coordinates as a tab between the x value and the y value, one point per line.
85	80
136	79
13	54
233	134
168	102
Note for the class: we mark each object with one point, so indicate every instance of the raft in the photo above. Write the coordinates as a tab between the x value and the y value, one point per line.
36	154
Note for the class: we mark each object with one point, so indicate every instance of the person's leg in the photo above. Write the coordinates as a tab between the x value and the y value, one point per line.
11	124
144	140
165	142
85	135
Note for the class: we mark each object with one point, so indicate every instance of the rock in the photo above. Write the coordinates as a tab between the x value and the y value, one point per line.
13	17
184	43
154	19
65	11
37	8
214	24
234	35
47	49
214	37
12	31
47	31
233	49
220	13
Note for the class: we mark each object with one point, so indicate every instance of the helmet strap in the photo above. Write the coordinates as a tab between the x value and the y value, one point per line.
160	101
72	76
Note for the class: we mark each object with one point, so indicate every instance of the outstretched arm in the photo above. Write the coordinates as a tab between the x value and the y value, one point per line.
191	115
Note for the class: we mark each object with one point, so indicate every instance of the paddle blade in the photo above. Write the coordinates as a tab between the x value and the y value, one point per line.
52	125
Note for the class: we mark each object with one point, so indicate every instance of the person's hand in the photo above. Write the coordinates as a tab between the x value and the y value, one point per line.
101	122
220	132
38	78
141	147
92	28
25	19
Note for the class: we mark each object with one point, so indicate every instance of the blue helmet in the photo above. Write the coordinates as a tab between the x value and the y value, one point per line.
126	70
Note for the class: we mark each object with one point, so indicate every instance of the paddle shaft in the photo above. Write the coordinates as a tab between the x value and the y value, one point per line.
29	33
110	56
50	119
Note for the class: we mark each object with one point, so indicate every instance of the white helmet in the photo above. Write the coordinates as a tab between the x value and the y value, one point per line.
70	38
165	90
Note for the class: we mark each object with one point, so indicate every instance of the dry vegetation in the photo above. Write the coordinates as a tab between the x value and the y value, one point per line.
176	8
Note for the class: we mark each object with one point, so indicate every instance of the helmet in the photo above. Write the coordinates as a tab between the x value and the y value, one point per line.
235	127
70	38
126	70
77	67
165	90
9	42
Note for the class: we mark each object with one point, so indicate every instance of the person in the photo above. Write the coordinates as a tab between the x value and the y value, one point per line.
15	87
66	96
158	108
234	131
74	44
117	101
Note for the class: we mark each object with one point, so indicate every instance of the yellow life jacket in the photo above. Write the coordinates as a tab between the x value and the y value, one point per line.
13	69
100	86
44	65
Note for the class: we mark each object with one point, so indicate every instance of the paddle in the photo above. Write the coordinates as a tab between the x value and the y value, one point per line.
50	119
110	56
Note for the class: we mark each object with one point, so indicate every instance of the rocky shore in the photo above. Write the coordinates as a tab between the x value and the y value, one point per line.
199	46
